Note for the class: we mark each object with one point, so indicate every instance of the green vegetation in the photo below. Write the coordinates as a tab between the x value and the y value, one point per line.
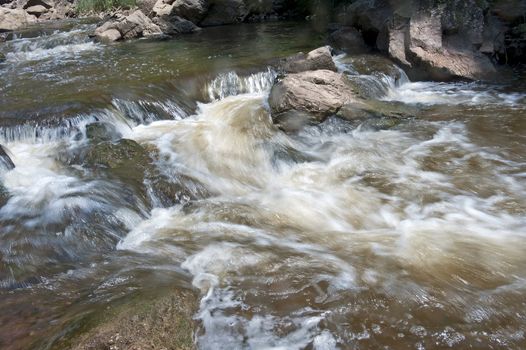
97	6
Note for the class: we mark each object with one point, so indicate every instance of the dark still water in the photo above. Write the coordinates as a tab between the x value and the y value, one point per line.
152	169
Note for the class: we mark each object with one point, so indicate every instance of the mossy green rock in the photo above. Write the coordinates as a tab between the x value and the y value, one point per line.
134	165
144	323
100	131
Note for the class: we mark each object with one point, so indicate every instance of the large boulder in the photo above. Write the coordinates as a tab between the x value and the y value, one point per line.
309	97
173	25
225	12
132	26
11	19
420	45
320	58
192	10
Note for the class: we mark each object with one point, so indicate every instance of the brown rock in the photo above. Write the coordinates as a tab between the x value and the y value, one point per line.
320	58
36	10
311	96
11	19
110	35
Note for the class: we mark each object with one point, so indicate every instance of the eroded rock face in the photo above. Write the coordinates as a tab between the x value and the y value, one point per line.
135	25
440	40
420	44
320	58
309	97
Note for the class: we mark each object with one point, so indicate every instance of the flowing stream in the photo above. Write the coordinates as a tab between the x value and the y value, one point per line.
361	234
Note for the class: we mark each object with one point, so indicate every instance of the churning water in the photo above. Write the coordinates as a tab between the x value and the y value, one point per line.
344	235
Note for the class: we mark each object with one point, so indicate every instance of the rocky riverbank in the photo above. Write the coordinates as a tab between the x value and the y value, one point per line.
443	40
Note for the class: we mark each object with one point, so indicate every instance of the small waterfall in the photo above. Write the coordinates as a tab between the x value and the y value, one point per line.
231	84
123	114
57	45
372	84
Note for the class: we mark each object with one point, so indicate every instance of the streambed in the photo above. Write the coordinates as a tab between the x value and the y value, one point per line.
349	234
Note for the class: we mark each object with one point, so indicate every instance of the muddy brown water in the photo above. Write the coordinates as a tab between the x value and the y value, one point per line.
347	235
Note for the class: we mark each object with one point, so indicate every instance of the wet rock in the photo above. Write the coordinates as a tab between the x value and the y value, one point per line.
320	58
11	19
132	164
173	25
192	10
309	96
164	322
5	161
100	131
135	25
2	57
365	109
349	40
225	12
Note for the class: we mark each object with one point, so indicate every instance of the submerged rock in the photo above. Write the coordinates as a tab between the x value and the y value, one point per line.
320	58
132	164
145	323
135	25
309	97
100	131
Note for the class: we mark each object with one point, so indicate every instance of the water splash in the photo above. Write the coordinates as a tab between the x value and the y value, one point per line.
231	84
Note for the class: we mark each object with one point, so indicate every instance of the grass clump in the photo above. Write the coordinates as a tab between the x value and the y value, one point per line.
98	6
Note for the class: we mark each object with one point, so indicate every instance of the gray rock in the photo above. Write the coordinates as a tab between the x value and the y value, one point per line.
173	25
309	96
192	10
320	58
225	12
349	40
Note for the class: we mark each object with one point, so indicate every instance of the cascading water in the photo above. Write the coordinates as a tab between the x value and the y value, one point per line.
338	236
